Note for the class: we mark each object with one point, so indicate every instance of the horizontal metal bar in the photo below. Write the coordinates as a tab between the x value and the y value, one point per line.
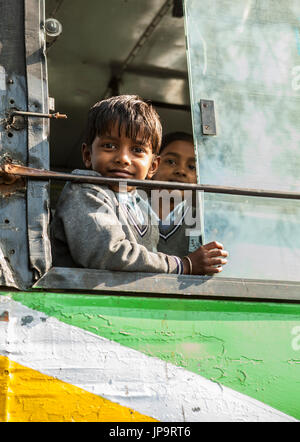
39	174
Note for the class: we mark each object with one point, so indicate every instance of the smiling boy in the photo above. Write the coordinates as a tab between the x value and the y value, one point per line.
176	211
179	216
177	159
110	228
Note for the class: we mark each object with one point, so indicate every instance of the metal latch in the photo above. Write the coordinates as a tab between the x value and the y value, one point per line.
16	118
56	115
208	119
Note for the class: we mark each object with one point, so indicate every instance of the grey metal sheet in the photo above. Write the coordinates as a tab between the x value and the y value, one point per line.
38	131
14	264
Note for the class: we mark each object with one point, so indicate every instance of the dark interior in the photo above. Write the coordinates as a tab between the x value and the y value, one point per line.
114	47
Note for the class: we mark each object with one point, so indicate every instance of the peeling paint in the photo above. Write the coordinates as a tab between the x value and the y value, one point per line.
242	377
294	361
4	316
57	401
25	320
150	386
245	360
105	319
195	347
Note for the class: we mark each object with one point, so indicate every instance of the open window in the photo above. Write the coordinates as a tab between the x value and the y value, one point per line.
112	48
245	111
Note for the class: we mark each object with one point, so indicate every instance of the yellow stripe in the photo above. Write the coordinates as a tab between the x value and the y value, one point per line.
27	395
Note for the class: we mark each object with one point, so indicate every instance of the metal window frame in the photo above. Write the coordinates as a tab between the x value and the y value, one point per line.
38	134
166	285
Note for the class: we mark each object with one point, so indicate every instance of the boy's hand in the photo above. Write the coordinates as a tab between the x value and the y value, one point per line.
206	260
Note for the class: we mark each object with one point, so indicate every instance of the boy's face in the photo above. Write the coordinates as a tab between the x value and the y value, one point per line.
116	156
177	163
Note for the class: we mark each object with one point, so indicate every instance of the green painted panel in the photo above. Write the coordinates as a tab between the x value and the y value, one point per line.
253	348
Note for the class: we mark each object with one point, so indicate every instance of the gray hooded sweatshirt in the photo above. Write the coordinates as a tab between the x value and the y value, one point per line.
94	227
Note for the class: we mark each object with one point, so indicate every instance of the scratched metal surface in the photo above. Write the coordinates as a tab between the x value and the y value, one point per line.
14	266
24	242
246	57
38	134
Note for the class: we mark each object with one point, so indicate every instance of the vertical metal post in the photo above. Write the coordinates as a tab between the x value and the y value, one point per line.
14	262
38	133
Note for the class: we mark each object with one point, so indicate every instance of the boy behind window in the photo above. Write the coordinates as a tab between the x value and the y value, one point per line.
102	227
178	211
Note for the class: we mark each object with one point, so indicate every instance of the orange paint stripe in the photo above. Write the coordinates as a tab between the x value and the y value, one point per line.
27	395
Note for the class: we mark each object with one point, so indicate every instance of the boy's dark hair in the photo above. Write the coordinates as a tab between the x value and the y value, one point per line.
175	136
131	113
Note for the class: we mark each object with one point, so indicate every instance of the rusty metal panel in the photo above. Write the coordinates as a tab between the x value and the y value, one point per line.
24	242
38	133
14	266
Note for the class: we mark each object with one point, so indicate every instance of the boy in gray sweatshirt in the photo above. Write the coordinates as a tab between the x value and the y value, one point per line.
177	211
111	228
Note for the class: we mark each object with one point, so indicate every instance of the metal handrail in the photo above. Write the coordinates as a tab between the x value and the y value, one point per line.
10	169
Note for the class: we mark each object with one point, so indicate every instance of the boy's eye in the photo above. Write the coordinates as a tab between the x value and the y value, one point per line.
192	167
170	161
109	145
138	149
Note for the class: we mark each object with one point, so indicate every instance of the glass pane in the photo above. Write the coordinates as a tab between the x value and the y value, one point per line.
245	56
262	235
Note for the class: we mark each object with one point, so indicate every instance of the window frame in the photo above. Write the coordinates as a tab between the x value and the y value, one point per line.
166	285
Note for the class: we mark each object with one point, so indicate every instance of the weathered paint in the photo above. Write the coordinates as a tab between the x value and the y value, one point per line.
216	345
30	396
